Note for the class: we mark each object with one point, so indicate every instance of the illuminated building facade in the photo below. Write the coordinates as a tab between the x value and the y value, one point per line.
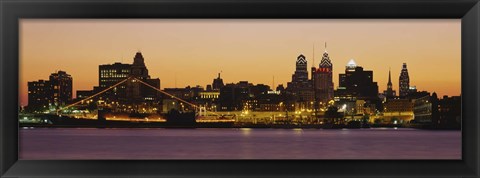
358	83
404	81
111	74
300	77
425	109
62	86
300	88
130	92
398	111
39	95
323	80
50	94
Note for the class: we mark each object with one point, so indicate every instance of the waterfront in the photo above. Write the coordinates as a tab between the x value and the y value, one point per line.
243	143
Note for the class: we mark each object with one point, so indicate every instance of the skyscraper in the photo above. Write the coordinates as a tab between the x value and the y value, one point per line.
404	82
300	88
323	79
357	82
61	87
389	93
300	77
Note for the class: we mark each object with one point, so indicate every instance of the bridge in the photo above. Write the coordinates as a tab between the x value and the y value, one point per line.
202	113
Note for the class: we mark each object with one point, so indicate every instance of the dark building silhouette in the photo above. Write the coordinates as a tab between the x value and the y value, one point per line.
50	94
404	82
62	86
389	93
280	88
425	109
323	80
194	95
269	101
139	70
450	111
217	83
129	92
39	95
246	96
300	88
233	97
109	75
137	92
358	83
300	77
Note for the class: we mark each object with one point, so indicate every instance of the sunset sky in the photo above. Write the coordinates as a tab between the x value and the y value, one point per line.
185	52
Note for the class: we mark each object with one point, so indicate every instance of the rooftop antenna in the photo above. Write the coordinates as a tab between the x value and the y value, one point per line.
313	63
325	47
273	83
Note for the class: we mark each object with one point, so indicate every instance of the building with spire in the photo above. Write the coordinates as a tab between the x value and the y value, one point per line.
131	91
322	80
389	93
139	70
300	77
404	82
217	83
300	88
137	92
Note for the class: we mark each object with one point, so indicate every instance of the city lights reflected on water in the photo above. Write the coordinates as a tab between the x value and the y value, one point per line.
242	143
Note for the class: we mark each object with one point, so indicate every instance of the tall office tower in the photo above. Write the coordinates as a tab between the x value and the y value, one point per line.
300	77
404	81
323	79
48	94
62	87
300	88
356	82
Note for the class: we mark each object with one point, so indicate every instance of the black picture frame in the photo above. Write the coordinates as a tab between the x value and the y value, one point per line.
13	10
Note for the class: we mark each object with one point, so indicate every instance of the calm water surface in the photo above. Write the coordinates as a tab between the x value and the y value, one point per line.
158	143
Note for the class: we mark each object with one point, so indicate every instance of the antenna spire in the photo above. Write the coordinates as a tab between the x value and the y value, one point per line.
273	84
313	49
325	46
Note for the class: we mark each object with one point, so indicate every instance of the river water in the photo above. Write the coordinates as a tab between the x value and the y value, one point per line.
230	143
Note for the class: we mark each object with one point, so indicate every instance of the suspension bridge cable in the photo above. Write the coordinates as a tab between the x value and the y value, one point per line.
191	104
90	97
168	94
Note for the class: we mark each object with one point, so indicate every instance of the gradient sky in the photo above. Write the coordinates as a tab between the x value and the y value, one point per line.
185	52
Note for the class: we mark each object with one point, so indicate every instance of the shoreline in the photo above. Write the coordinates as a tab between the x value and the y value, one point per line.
221	125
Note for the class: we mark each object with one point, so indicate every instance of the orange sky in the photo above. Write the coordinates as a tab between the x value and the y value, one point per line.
192	52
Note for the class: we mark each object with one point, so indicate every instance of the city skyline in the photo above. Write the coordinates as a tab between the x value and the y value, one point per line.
188	68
